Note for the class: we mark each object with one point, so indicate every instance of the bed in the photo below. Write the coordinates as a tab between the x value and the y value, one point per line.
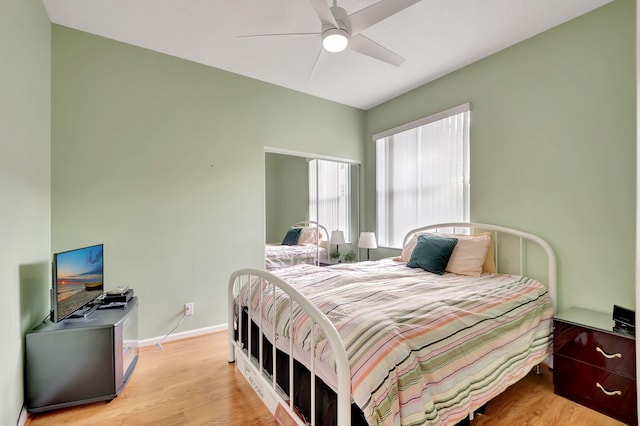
304	243
383	343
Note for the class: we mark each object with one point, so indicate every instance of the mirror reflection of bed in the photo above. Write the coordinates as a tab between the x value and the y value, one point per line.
305	242
303	190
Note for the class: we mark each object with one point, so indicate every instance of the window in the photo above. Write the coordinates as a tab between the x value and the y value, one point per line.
422	174
329	195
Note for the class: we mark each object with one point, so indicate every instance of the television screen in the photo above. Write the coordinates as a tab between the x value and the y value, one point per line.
77	279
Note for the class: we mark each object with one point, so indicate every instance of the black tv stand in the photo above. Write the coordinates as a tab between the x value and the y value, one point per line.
74	362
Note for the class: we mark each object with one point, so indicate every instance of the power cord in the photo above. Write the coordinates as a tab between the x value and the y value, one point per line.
49	315
159	344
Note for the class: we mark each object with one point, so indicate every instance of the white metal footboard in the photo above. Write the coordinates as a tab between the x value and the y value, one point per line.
265	386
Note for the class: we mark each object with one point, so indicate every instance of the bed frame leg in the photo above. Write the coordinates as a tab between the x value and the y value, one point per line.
538	371
232	354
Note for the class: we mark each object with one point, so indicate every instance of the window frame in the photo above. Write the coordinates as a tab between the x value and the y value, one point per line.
463	108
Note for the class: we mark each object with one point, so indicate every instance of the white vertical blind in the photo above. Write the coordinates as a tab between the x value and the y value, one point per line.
422	176
329	194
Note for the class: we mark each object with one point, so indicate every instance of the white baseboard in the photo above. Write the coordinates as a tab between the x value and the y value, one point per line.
182	335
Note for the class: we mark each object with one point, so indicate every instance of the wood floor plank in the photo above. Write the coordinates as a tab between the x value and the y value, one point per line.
190	382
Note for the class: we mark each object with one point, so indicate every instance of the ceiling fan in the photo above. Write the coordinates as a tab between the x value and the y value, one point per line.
340	31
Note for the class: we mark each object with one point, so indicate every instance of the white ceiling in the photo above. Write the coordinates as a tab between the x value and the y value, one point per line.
435	37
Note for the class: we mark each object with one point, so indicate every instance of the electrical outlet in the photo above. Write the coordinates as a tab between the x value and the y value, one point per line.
188	309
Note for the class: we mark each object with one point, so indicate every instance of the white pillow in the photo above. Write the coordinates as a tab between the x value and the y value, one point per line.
308	236
408	248
468	255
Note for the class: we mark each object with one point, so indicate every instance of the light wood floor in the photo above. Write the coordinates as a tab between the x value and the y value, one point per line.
190	382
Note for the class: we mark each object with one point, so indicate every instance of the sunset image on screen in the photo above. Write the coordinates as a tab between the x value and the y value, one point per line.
79	277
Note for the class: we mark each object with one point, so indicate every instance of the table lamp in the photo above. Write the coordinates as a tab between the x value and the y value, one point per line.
367	240
337	238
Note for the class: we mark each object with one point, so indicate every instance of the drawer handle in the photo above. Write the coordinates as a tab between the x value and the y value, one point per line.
606	355
606	392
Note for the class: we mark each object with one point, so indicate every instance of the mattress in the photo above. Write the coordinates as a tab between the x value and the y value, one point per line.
423	348
280	256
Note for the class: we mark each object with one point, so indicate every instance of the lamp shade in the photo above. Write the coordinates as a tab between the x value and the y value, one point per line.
367	240
337	237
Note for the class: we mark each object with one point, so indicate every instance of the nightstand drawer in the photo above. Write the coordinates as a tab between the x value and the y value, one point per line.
596	388
612	352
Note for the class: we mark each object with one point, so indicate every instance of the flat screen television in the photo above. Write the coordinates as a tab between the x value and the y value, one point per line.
78	278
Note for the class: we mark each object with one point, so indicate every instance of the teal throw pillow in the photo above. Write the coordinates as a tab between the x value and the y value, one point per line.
432	253
291	239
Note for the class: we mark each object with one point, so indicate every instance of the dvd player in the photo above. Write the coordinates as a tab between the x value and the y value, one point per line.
120	298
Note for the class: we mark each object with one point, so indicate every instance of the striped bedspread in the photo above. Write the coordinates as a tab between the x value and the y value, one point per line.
280	256
423	348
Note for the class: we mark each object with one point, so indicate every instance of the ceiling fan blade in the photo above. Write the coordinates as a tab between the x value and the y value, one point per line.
324	13
313	75
368	47
279	35
377	12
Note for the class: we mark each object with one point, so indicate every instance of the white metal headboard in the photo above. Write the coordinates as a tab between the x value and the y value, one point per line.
470	226
324	233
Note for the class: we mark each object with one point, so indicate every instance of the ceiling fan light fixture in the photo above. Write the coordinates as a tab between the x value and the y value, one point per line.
335	40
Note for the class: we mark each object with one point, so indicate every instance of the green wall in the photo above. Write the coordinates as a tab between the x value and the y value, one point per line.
25	40
552	147
163	161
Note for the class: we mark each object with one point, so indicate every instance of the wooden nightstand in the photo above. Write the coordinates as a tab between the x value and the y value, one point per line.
593	365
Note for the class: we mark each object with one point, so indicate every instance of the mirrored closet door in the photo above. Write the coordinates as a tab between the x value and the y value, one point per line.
306	187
